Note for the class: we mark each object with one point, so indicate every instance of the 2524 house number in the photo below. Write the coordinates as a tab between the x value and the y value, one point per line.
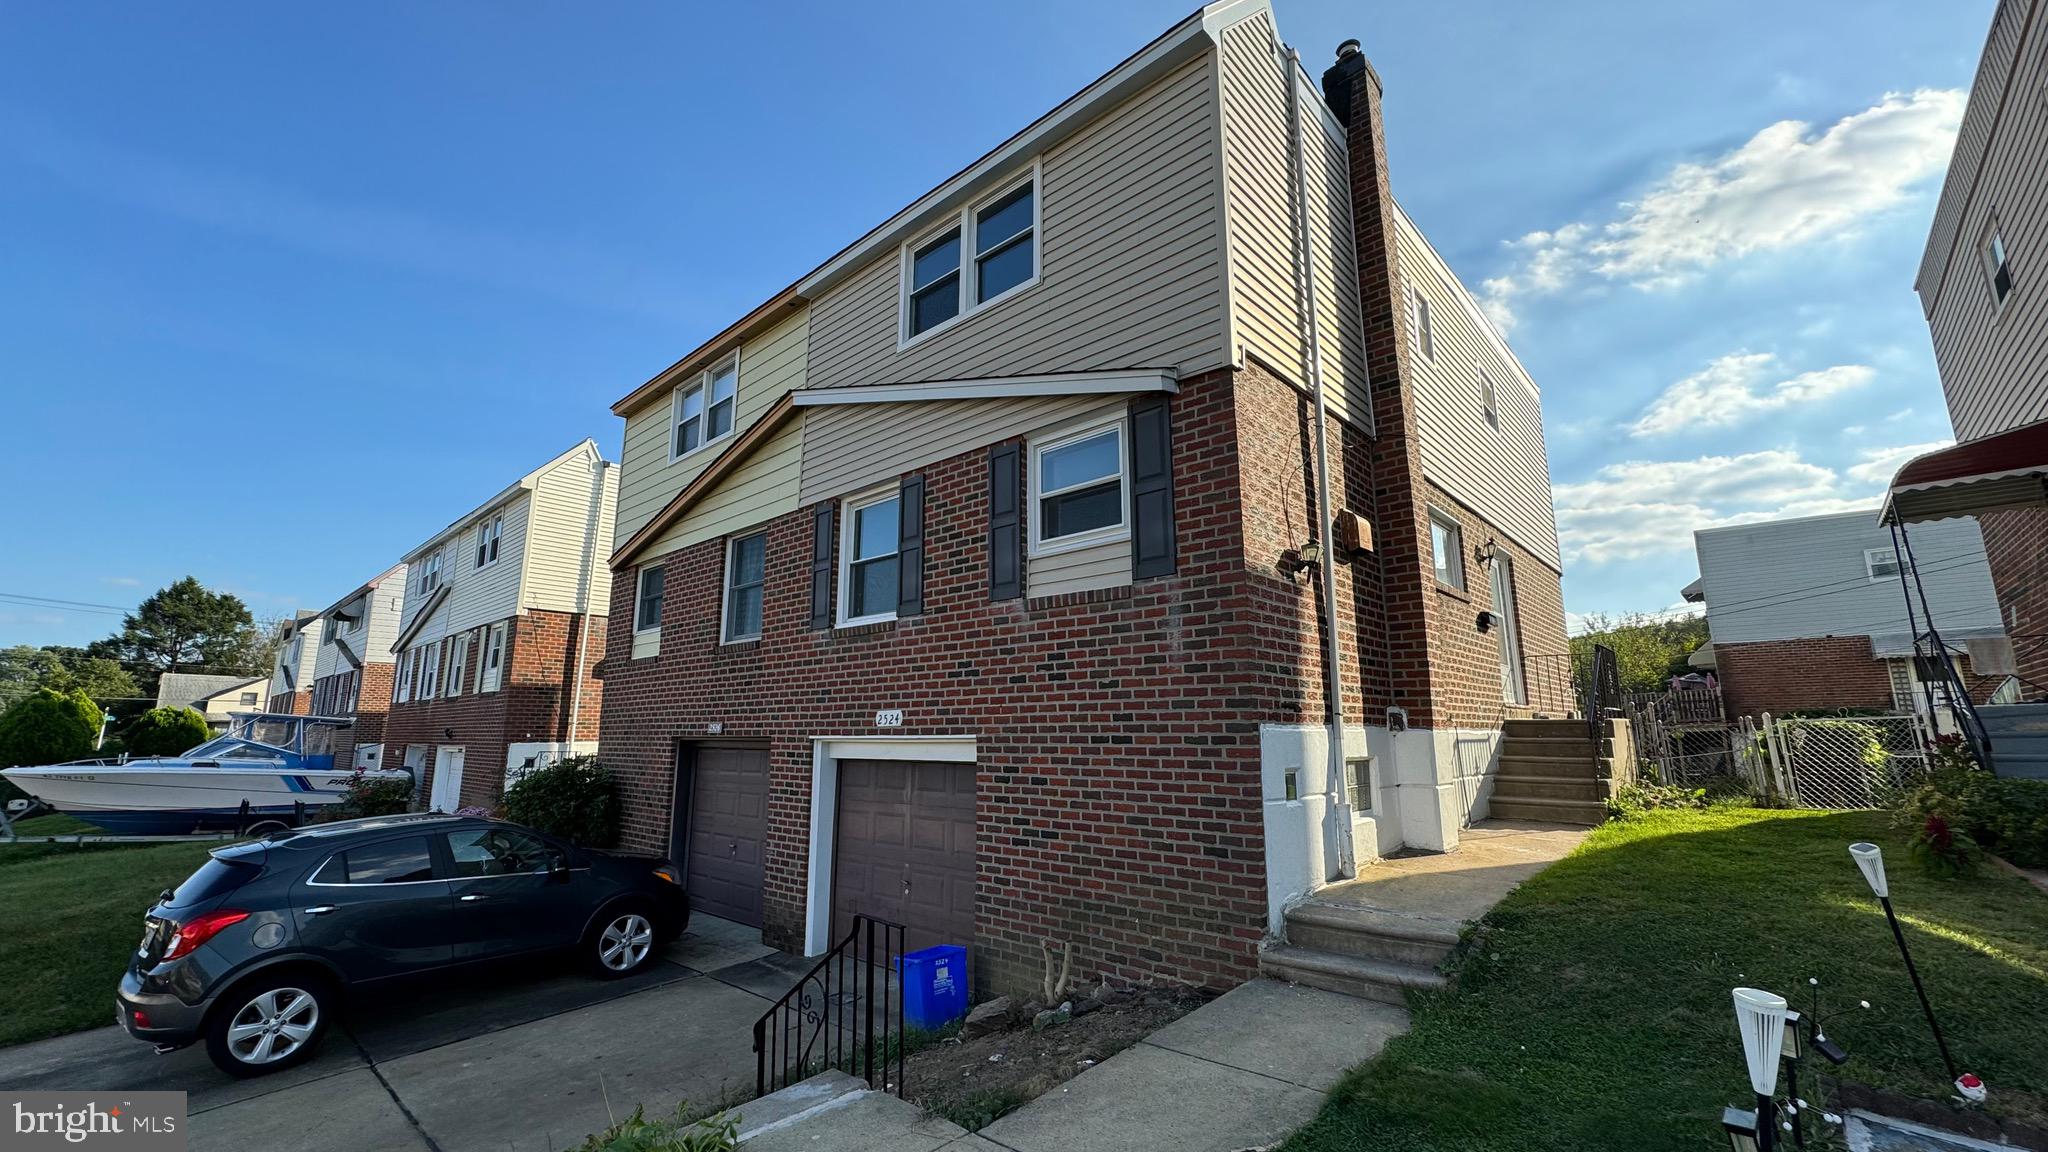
889	718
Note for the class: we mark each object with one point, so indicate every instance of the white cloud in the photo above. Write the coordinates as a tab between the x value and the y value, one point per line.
1785	187
1877	466
121	581
1643	508
1733	389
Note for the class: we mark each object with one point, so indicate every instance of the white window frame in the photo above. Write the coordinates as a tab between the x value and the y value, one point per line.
489	532
1872	557
847	510
490	673
1121	530
1489	397
1993	241
429	573
1421	326
458	659
640	599
1364	784
430	671
1455	543
969	250
732	546
701	384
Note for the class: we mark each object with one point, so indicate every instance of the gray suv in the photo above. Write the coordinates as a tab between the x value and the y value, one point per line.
252	952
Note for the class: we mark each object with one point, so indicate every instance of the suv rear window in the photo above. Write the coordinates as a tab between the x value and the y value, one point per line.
392	862
216	877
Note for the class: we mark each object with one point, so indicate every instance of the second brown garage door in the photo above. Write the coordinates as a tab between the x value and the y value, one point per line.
727	819
906	849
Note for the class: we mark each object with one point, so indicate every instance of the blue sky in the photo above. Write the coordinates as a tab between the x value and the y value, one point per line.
287	288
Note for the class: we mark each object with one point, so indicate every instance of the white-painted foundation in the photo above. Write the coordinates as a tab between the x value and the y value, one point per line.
525	757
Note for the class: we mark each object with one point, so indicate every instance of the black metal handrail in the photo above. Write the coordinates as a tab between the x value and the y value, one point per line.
1603	696
825	1021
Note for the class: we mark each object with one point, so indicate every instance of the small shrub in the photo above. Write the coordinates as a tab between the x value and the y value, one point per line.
165	732
1943	851
676	1133
575	799
2001	814
371	796
1636	798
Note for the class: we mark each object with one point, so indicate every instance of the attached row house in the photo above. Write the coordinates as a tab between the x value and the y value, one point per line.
502	627
292	673
1135	532
352	668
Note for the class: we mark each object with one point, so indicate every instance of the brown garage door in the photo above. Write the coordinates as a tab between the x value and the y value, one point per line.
728	819
906	849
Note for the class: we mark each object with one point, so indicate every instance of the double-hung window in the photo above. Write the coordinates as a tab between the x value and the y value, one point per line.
987	252
1489	402
487	532
704	408
430	573
1880	564
458	659
746	572
1446	550
1421	332
870	534
1997	270
491	667
647	610
430	671
1078	493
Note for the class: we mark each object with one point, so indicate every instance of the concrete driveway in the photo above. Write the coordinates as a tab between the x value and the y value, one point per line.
502	1060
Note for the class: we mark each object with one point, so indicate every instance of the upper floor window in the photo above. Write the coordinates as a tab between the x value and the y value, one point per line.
491	665
997	242
458	661
746	572
647	615
487	533
1446	550
870	536
1880	563
1421	332
1077	489
430	671
248	698
1489	402
704	407
430	573
1997	270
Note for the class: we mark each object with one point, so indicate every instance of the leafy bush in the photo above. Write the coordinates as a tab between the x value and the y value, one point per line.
636	1133
371	796
1638	797
1941	850
2002	814
575	799
49	727
165	732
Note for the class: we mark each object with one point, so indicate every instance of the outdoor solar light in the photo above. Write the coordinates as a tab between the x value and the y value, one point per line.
1870	861
1740	1125
1760	1018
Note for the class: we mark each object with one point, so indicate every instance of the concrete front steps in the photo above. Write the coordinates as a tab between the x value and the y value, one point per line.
1549	772
1363	952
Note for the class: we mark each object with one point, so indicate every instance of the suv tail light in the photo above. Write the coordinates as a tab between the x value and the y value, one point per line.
200	929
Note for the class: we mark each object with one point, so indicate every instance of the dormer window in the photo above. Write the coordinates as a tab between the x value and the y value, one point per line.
703	412
986	253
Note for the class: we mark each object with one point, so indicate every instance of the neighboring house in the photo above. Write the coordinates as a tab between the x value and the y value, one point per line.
352	672
291	679
504	621
211	696
1981	284
957	583
1808	613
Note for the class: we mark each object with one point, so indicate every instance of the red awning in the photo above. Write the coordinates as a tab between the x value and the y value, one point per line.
2008	470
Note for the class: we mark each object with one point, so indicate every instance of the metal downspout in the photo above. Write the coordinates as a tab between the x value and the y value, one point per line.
583	602
1337	802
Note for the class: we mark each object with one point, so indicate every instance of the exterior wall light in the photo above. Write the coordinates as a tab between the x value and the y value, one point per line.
1294	560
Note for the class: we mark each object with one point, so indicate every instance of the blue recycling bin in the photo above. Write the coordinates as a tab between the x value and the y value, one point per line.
934	986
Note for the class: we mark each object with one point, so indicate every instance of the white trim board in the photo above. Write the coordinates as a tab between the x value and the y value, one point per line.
826	753
1051	384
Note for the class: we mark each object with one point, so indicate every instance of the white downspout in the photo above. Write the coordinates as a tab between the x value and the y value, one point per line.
1337	802
588	581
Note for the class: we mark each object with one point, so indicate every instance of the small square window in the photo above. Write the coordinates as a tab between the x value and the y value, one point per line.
746	572
647	616
1881	564
248	699
1358	784
1446	550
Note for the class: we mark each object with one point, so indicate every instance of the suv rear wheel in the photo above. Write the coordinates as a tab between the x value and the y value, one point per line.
621	942
269	1024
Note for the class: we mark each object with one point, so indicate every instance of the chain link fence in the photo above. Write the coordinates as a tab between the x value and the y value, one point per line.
1833	762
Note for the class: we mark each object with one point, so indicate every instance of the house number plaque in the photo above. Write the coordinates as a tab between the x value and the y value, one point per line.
889	718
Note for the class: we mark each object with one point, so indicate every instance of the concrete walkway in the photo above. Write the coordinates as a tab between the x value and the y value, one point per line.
1492	858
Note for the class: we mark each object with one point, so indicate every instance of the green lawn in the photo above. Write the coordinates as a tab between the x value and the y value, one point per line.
1594	1012
70	915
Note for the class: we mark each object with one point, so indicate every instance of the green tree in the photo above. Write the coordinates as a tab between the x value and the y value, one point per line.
1648	650
47	727
186	626
24	669
165	732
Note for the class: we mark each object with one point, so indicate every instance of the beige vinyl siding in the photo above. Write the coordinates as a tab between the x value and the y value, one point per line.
1105	565
1499	469
757	491
574	504
850	447
1994	362
770	364
475	595
1259	178
1130	263
387	605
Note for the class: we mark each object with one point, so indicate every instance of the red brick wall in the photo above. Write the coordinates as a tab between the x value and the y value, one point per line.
1779	676
291	703
1464	663
1118	780
531	704
2016	545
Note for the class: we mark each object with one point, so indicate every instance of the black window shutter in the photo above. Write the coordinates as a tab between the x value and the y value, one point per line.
910	548
822	519
1005	541
1152	543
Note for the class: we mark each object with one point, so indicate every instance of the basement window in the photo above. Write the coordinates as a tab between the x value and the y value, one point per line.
1358	784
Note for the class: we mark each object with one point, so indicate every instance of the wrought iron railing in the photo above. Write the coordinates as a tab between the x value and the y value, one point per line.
1551	685
1602	695
829	1019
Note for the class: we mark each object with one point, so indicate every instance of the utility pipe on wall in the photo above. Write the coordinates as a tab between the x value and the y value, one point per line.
1338	803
